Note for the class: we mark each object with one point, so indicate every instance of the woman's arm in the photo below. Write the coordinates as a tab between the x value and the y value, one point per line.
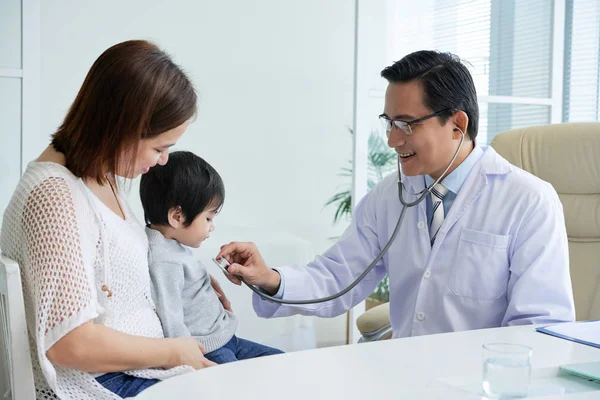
97	348
63	295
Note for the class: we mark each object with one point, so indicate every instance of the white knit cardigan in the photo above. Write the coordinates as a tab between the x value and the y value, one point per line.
73	252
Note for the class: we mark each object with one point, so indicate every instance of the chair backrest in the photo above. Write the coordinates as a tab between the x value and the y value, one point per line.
568	157
14	341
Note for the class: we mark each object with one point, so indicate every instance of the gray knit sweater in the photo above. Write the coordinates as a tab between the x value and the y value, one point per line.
186	303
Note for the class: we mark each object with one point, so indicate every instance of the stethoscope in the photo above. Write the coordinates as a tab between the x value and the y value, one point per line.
405	205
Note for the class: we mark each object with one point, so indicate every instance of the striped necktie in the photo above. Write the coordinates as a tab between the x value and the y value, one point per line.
437	196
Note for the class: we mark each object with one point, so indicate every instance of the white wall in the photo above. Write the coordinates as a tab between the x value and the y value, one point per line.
275	79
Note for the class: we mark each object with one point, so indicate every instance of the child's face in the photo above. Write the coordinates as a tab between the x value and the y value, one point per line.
199	230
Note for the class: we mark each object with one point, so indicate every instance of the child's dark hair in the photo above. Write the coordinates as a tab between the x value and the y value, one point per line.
187	181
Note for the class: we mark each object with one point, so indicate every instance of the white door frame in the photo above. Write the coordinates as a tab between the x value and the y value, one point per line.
30	87
29	74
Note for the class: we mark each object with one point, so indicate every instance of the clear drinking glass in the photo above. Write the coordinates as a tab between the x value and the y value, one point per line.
506	370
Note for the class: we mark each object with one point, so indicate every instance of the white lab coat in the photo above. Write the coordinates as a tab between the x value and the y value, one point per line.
500	257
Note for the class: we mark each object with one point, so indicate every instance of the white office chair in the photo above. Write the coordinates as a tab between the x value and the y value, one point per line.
17	373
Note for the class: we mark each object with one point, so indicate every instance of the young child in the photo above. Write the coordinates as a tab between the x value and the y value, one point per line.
180	201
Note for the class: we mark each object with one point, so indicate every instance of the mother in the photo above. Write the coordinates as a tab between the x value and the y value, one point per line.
82	252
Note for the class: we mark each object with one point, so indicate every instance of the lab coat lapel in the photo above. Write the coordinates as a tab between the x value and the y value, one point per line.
469	193
490	164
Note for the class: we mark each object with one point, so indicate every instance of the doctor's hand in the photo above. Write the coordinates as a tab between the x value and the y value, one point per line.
247	262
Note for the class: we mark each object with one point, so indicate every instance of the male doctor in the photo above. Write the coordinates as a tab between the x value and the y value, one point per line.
487	247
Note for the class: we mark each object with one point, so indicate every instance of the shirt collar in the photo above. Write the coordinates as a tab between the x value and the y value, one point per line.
454	181
156	238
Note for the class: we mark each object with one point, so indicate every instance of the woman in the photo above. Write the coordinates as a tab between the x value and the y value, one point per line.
82	253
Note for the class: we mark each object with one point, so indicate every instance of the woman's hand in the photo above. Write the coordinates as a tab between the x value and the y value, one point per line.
247	262
220	293
188	351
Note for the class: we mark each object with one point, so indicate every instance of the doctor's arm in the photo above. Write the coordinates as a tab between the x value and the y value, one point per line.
326	275
539	288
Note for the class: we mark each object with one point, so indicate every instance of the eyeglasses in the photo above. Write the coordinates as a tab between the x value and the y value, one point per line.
406	126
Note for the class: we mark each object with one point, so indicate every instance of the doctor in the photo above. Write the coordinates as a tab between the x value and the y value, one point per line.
487	248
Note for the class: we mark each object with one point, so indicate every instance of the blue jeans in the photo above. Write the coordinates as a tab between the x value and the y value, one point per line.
240	349
125	385
236	349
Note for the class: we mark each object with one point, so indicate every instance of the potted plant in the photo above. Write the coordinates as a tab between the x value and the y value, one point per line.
381	160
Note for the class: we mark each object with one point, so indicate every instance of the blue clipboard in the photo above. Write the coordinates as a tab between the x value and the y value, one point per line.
548	330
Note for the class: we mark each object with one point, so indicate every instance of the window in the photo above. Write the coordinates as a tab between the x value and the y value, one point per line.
533	61
581	101
508	45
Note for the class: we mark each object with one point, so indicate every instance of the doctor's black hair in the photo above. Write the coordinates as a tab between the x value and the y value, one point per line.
185	181
446	82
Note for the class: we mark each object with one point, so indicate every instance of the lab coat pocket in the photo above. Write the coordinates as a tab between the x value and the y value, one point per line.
481	268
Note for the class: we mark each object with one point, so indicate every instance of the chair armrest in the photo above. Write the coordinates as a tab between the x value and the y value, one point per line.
374	319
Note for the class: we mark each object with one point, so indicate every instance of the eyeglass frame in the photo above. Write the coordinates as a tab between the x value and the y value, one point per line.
392	122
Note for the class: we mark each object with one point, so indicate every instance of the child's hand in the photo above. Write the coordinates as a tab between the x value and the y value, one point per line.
220	293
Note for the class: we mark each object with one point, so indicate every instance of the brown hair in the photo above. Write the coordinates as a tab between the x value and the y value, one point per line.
133	91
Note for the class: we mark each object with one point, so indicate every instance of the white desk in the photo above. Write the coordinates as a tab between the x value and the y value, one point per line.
426	367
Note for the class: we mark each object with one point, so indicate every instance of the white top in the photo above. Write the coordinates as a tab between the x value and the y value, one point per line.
69	245
444	366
